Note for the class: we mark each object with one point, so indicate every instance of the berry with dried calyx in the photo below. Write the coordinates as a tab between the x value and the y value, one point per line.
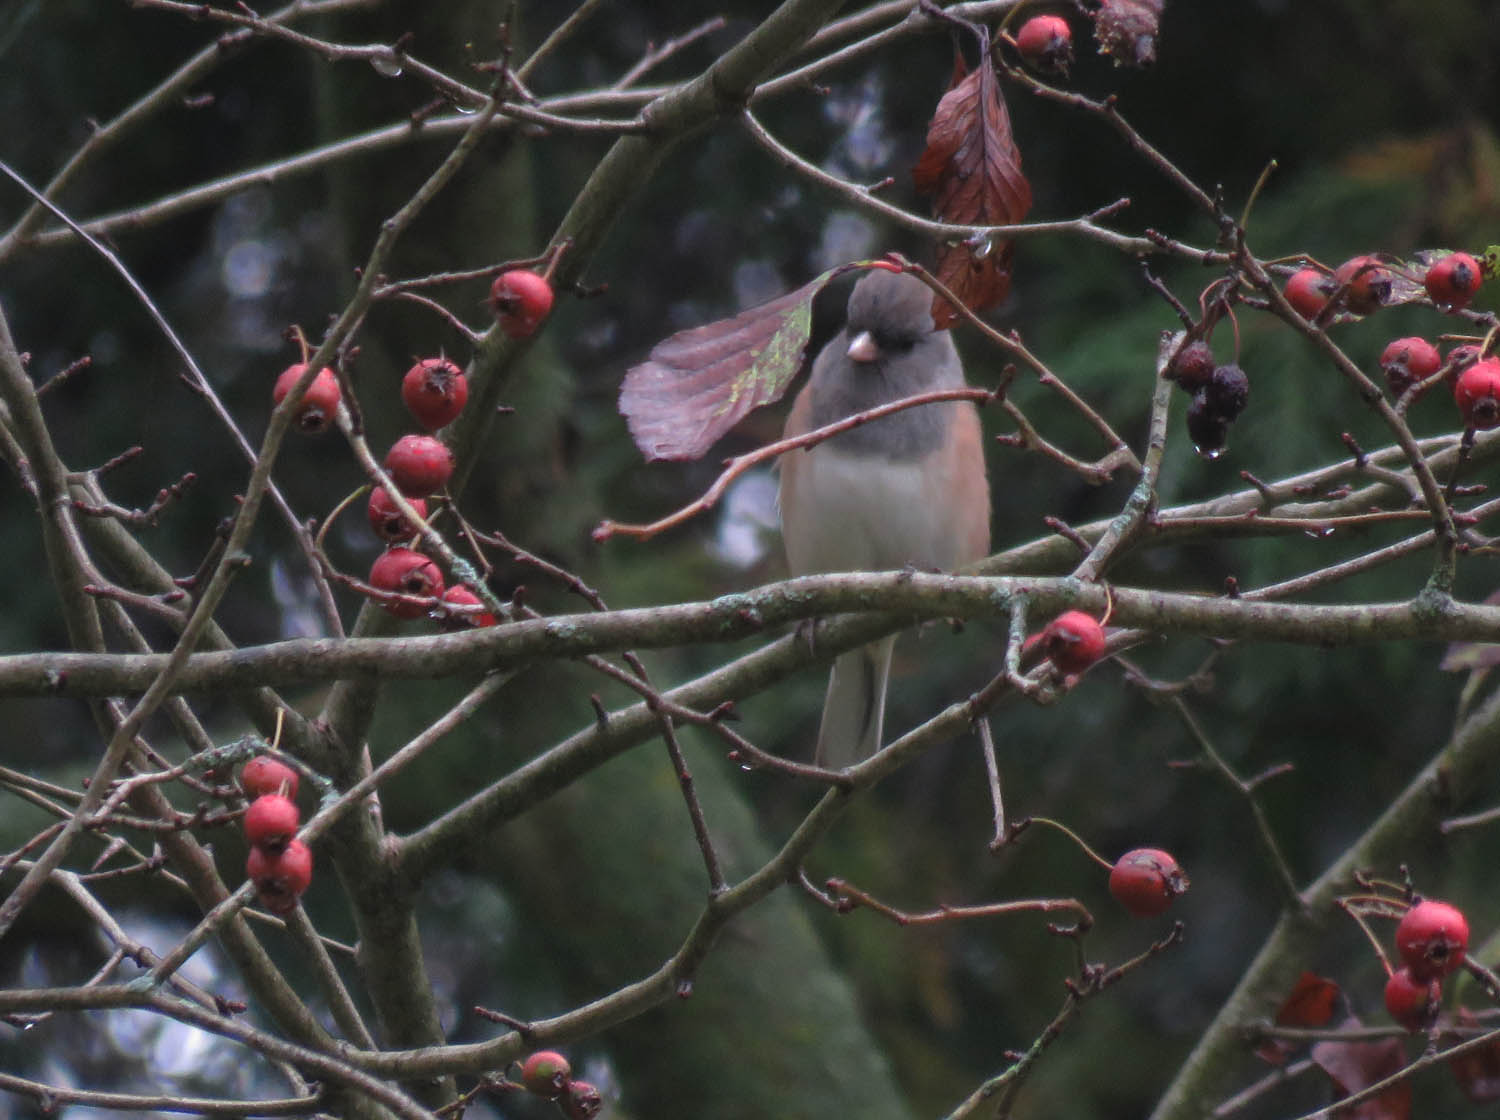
264	774
1477	394
1412	1002
405	571
435	391
521	300
1191	366
1368	281
545	1074
320	404
1146	880
1452	282
581	1101
271	821
1308	291
1072	641
419	465
280	877
476	614
1046	43
1406	361
1432	938
389	523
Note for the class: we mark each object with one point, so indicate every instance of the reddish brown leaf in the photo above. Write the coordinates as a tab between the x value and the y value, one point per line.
1353	1066
1476	1071
972	168
1310	1004
698	384
1127	30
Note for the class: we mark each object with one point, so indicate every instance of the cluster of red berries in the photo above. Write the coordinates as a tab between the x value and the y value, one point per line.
1046	44
1432	940
1072	641
1362	284
1219	395
1146	880
435	391
548	1075
279	865
1474	379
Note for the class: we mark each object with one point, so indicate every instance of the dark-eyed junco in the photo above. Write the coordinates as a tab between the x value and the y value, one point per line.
909	489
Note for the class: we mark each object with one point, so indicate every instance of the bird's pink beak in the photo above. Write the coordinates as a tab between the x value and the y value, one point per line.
864	348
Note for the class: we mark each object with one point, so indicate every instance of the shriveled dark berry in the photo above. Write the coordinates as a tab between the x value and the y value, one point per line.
1192	366
1206	428
1228	391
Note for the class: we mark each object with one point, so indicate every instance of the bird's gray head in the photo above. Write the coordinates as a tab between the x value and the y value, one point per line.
894	309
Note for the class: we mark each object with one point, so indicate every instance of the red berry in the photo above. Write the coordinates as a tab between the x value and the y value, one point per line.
320	404
264	774
271	821
1192	366
388	522
1432	939
1073	641
405	571
1308	291
581	1101
1452	281
460	596
1413	1003
280	877
435	391
1407	361
1146	880
546	1074
1477	394
419	465
521	300
1369	283
1046	43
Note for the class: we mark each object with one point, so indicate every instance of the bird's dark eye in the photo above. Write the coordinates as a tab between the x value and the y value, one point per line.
891	343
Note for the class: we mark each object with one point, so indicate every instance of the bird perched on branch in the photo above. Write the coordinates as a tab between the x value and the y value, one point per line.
905	490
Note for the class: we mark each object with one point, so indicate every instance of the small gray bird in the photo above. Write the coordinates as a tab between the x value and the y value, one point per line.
909	489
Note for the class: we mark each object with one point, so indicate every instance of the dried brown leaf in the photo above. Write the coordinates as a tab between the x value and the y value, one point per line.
697	384
1477	1071
1310	1004
972	168
1353	1066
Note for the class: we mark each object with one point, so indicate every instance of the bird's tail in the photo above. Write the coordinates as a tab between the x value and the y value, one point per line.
854	710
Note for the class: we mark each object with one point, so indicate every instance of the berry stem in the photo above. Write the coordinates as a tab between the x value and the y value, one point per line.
1065	830
333	514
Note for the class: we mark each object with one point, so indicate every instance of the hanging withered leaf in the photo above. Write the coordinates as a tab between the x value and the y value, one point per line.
696	385
1353	1066
972	168
1127	30
1476	1071
1309	1004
